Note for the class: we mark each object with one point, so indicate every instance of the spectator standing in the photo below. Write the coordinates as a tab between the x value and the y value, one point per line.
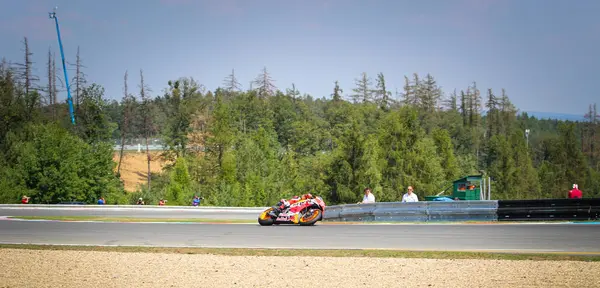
575	193
410	196
25	199
368	197
162	202
101	201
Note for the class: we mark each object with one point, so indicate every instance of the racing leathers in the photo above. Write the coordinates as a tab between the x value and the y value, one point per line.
284	204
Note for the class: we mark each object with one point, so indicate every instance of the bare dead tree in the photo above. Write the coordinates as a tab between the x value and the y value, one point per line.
231	83
590	135
79	79
54	79
32	100
50	92
147	123
26	67
265	84
126	120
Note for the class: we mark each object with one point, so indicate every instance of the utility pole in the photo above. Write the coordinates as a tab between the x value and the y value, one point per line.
52	15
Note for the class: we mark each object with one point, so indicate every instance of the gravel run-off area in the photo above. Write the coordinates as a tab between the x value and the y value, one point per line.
48	268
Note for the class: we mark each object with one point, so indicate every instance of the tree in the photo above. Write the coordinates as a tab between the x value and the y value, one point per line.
492	115
590	135
26	69
430	95
222	131
51	98
79	80
231	84
507	115
293	92
410	91
54	80
362	91
147	110
474	106
11	103
93	124
382	94
464	111
445	152
50	164
526	177
337	92
128	104
180	186
264	83
451	103
182	100
570	158
31	96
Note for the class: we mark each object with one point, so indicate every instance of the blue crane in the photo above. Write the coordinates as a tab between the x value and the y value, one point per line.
62	55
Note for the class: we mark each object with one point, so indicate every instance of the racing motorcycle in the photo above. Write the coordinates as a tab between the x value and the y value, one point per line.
305	212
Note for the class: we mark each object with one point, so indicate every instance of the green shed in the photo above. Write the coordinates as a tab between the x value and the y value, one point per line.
468	188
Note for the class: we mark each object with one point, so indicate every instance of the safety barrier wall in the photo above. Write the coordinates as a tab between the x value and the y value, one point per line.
549	209
426	211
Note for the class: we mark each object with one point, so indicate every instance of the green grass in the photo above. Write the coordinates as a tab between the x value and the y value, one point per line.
316	252
131	219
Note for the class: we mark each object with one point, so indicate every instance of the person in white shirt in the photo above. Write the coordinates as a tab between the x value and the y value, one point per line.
410	196
368	197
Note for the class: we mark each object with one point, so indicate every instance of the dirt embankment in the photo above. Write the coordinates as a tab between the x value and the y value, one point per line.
44	268
134	167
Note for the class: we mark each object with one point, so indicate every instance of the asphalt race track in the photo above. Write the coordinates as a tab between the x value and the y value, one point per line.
149	212
494	237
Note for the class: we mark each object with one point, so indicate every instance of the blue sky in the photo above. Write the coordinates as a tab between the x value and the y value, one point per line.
543	52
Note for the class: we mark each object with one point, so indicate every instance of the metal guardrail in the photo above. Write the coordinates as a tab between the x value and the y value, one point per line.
426	211
549	209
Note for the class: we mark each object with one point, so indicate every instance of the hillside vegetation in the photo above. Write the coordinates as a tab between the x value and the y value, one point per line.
134	168
250	147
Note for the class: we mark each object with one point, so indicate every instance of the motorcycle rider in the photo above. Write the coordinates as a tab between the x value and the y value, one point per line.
284	204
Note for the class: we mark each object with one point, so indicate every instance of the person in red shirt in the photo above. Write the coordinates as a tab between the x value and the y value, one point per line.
25	200
575	193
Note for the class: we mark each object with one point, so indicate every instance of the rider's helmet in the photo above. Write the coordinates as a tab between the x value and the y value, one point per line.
307	196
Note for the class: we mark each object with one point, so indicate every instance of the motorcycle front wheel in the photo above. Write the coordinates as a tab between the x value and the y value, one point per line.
310	217
265	219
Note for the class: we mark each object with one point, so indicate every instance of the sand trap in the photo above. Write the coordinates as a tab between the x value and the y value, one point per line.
46	268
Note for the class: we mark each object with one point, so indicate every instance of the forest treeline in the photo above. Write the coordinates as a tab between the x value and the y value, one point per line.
251	146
